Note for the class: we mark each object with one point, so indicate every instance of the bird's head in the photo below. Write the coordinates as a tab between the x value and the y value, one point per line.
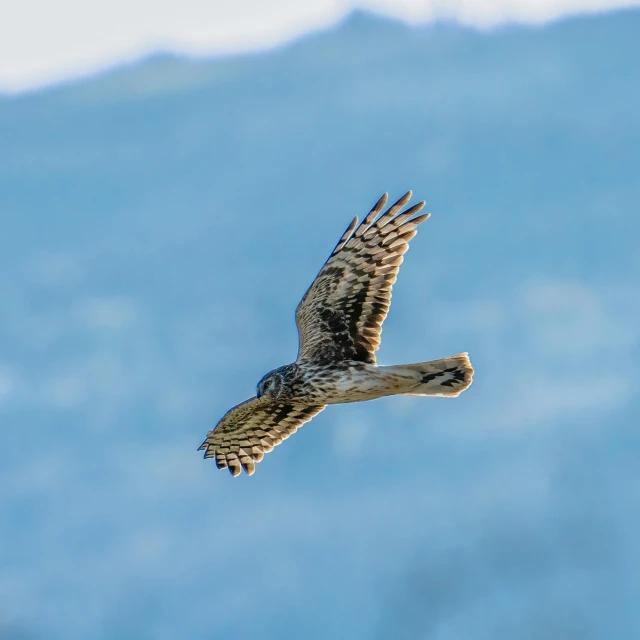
270	385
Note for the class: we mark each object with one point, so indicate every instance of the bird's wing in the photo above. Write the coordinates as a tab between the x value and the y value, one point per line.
340	316
253	428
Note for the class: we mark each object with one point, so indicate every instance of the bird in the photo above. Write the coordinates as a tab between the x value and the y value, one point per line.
339	321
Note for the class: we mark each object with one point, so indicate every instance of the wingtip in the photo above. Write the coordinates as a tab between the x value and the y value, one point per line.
405	198
398	204
347	234
379	205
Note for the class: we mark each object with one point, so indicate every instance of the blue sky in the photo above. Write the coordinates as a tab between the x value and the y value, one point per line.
160	223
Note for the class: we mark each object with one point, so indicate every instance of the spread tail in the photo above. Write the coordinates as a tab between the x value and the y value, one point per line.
444	377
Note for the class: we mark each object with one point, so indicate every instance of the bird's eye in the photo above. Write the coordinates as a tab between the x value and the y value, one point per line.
267	384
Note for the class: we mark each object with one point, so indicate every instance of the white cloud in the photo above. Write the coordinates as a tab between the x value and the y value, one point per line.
106	313
8	384
573	359
43	42
543	399
569	319
349	437
66	391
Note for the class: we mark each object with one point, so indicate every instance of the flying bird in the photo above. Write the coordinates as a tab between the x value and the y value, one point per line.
339	323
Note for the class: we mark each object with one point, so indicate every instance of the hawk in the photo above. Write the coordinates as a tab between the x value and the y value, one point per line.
339	323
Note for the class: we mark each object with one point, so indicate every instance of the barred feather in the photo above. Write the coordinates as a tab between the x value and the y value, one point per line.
340	317
251	429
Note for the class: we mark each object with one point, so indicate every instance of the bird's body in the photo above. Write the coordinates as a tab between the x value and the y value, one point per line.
346	381
339	323
358	381
352	381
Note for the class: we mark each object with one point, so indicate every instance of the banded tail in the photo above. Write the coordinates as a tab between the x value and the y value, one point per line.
445	377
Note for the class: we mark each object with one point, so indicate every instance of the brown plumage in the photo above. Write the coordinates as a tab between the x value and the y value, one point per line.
265	424
340	316
339	323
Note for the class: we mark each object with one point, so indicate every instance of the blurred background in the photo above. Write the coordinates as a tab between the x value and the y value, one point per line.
159	222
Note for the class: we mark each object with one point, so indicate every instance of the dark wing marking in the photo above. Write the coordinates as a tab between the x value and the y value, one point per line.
340	316
251	429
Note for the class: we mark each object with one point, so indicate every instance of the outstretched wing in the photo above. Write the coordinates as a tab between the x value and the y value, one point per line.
251	429
340	316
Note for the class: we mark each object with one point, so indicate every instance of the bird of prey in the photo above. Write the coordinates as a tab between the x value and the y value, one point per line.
339	323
